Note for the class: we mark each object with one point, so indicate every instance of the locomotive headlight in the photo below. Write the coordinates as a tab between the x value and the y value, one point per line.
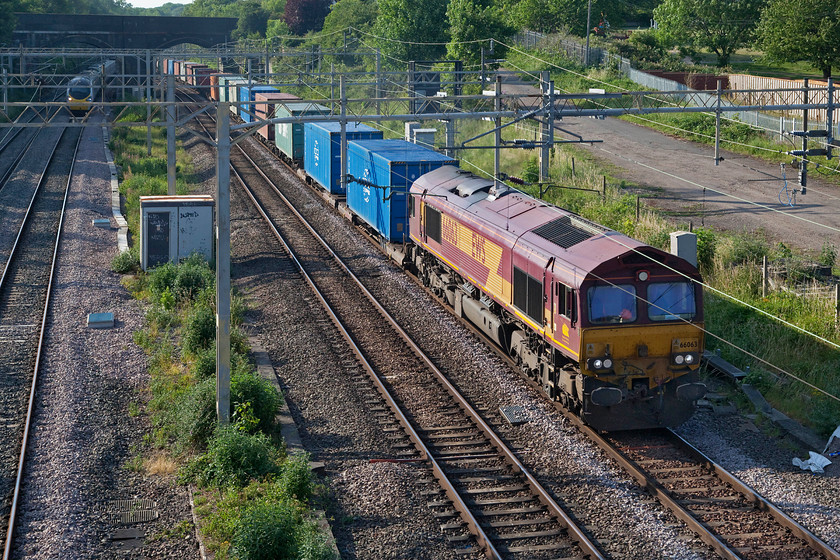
598	364
679	359
689	359
608	363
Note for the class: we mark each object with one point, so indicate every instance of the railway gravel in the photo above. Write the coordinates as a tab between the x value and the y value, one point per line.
84	435
16	193
374	509
764	463
618	514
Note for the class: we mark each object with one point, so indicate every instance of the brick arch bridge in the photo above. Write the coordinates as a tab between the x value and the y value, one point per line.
119	32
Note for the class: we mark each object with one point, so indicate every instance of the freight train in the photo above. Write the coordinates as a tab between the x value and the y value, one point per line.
90	85
610	327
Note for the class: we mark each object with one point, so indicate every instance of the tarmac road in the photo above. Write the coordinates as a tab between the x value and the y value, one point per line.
741	194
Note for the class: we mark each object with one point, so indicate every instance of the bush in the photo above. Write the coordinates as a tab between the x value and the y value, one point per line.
265	402
296	477
126	262
161	278
267	531
199	330
196	417
741	249
194	276
160	317
204	365
706	242
151	166
234	458
828	254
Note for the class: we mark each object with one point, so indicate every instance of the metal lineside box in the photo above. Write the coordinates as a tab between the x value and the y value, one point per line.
174	227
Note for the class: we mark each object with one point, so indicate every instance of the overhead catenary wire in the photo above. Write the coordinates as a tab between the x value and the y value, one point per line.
720	292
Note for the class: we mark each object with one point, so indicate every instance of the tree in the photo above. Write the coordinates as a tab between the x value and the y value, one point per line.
412	30
252	20
556	15
303	16
212	8
360	15
805	30
721	26
7	23
470	23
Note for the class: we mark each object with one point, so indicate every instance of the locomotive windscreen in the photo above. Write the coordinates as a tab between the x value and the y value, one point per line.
79	89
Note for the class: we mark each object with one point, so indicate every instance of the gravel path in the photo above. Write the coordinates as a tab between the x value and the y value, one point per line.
84	432
739	195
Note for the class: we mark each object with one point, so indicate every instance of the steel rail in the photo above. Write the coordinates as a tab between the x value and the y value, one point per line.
452	494
13	166
583	541
656	490
28	210
31	405
576	533
646	482
653	488
760	502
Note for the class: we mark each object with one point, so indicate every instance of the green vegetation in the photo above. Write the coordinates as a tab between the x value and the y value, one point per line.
805	30
717	25
729	261
257	501
240	460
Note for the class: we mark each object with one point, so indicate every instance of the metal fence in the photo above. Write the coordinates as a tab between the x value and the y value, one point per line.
574	50
773	125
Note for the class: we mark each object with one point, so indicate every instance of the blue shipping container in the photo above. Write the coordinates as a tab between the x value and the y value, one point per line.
393	164
170	65
322	150
246	98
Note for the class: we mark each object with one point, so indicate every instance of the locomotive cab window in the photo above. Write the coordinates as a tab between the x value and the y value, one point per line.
410	206
528	294
671	301
432	223
611	304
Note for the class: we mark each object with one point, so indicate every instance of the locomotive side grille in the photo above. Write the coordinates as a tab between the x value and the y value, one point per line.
568	232
528	294
433	223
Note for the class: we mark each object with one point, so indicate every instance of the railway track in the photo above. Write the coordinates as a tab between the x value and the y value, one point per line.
15	142
25	286
725	514
485	499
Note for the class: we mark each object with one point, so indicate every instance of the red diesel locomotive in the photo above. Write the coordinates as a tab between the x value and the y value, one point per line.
604	323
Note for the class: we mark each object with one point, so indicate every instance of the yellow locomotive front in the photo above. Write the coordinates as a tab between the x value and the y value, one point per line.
640	349
80	95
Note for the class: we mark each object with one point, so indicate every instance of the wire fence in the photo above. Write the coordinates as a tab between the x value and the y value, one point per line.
772	124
